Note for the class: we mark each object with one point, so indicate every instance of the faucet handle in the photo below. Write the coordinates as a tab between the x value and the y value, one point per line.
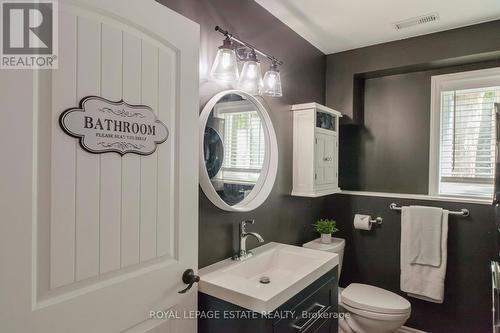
244	223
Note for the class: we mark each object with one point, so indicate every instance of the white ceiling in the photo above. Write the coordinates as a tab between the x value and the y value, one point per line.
338	25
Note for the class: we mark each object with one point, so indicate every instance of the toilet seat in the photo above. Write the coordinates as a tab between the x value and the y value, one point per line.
369	299
376	315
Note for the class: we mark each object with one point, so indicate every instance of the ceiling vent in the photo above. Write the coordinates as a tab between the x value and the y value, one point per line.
416	21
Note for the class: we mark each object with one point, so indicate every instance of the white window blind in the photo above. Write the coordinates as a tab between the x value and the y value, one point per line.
467	141
244	145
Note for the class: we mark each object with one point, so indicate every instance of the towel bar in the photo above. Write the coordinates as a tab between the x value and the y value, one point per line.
462	212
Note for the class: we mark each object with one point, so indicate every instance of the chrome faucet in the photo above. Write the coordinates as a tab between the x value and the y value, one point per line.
243	254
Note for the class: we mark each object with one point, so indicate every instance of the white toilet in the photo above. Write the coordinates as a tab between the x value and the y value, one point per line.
371	309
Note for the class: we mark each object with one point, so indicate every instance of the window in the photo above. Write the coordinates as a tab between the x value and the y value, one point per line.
463	136
244	142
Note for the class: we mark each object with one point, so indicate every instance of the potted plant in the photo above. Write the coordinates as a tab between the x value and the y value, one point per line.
325	227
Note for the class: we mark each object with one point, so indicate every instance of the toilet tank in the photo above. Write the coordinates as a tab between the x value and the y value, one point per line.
336	246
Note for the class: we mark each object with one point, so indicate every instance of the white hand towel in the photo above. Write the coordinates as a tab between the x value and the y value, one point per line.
422	281
425	230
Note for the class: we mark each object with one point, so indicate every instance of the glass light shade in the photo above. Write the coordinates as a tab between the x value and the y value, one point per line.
225	67
251	78
272	83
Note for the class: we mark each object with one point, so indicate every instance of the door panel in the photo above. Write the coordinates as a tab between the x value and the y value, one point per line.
320	153
111	164
87	191
60	222
131	172
149	166
325	159
133	189
101	239
328	159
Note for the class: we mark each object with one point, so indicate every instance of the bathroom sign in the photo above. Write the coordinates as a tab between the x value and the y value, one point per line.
104	126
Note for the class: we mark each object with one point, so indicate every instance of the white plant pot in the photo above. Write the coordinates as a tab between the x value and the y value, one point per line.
326	238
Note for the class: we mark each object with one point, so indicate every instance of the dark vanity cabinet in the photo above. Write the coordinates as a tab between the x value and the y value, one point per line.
313	310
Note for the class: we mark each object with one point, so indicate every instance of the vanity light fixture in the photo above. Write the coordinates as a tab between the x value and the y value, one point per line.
251	77
225	67
272	81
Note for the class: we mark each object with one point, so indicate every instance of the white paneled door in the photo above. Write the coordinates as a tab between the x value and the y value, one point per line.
93	242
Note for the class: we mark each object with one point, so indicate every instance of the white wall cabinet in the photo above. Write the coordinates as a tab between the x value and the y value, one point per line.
315	150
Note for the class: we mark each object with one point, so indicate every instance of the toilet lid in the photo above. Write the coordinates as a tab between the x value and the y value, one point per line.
370	298
335	246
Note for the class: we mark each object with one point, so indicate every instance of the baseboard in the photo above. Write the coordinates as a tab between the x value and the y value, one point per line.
405	329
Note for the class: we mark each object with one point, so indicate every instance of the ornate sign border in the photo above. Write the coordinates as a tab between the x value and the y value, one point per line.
121	147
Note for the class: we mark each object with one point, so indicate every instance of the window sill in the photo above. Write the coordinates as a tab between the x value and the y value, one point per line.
418	197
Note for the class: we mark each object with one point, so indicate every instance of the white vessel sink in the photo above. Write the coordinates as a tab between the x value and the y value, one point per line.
289	269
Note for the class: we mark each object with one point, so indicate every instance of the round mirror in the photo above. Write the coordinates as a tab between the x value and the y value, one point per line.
238	151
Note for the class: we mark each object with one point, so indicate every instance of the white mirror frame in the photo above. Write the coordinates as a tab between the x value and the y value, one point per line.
267	177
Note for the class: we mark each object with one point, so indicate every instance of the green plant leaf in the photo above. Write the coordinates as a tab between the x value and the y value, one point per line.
325	226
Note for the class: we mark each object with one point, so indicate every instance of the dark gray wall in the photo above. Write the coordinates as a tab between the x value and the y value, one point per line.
373	257
453	47
281	218
395	134
395	142
385	92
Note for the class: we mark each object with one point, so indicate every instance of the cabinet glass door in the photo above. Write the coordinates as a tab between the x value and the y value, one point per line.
326	121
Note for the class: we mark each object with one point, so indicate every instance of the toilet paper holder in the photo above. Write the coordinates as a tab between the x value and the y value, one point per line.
378	220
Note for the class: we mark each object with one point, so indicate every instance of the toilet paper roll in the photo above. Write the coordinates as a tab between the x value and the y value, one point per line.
362	222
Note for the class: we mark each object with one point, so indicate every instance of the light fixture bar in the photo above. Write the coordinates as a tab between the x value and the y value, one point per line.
248	45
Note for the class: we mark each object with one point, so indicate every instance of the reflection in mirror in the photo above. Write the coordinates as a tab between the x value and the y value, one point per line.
234	147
